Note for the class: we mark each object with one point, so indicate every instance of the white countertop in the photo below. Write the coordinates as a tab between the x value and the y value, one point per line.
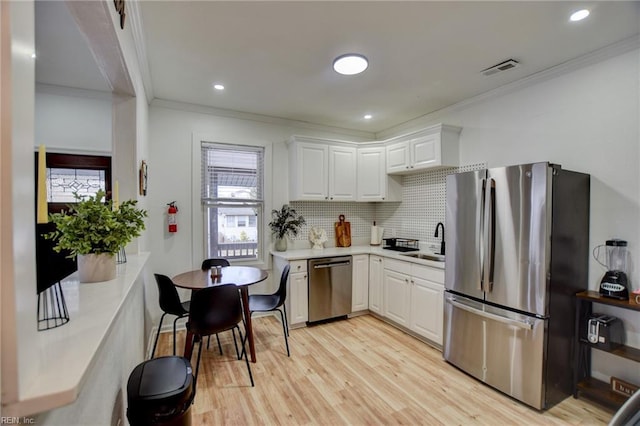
353	250
66	353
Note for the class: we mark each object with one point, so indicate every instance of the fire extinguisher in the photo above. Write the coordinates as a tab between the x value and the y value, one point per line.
172	217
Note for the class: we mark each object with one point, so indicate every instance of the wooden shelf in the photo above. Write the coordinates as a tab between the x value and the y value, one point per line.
601	393
622	351
594	296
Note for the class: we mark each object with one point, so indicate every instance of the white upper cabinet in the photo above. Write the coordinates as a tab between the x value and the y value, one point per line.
342	173
321	172
373	183
433	147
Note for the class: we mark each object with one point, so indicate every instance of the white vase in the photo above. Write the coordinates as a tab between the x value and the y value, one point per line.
94	268
281	244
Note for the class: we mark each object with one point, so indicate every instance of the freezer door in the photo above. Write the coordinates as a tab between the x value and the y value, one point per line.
518	236
463	237
502	348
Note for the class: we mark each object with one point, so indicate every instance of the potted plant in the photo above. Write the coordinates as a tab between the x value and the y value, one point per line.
285	222
94	231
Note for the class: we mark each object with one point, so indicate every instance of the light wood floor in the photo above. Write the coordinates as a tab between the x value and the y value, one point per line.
359	371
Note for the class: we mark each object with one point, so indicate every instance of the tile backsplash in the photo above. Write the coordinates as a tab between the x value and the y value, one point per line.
416	216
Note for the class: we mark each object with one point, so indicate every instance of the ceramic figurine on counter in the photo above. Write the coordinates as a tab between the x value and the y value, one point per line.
318	237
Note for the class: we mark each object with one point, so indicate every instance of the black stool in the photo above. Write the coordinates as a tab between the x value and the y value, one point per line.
160	392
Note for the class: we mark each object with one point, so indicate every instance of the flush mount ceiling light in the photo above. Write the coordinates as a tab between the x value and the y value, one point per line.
367	117
350	64
579	15
218	86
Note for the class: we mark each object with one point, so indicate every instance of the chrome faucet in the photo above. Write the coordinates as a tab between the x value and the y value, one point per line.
436	235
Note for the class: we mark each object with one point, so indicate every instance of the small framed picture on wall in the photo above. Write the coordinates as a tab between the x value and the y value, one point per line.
143	178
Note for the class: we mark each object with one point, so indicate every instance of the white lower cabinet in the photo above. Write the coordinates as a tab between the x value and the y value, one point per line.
297	301
376	269
427	309
413	297
397	297
360	283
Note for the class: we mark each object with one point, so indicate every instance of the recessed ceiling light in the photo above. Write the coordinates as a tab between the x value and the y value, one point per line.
218	86
579	15
33	56
367	117
350	64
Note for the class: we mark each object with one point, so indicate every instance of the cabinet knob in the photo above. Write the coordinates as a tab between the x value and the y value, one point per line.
326	198
412	166
298	266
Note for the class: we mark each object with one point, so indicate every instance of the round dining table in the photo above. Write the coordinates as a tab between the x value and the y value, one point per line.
241	276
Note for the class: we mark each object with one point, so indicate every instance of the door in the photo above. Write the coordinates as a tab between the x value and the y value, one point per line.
398	158
502	348
518	244
313	169
342	173
463	236
375	284
397	297
372	176
426	309
425	151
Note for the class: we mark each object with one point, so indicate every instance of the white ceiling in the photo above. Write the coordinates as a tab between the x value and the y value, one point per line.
274	58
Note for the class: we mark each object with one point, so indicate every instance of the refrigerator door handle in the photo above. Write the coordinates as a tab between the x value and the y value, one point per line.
520	324
483	199
492	232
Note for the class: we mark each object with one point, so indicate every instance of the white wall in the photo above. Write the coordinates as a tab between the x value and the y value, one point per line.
172	127
73	120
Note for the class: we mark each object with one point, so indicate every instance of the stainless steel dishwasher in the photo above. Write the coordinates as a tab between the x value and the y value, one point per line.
329	288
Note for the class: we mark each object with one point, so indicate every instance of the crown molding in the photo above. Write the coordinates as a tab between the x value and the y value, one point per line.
624	46
75	92
181	106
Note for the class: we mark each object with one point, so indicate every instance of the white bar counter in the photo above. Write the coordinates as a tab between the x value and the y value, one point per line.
67	353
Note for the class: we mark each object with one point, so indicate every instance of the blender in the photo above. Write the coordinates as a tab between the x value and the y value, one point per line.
614	283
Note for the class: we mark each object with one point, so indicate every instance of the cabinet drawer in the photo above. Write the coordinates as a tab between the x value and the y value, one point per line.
427	273
398	266
298	266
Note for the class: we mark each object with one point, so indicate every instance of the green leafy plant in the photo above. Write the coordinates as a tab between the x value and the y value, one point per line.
93	226
285	221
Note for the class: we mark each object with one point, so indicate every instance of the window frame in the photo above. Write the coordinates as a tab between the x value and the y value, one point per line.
77	161
198	215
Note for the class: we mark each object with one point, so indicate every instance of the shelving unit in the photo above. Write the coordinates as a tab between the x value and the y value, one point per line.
584	384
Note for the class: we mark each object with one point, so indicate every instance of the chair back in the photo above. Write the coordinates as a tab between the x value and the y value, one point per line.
282	289
208	263
215	309
169	299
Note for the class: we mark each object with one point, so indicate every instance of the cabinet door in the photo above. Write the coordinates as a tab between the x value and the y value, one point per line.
312	171
425	151
360	288
371	182
375	284
299	300
397	297
342	173
427	309
398	157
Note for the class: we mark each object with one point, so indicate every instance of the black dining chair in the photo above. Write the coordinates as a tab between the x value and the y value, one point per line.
213	310
208	264
170	304
273	302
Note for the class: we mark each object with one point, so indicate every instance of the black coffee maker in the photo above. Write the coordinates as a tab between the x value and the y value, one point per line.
614	283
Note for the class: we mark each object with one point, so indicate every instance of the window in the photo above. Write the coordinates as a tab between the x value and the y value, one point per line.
232	197
69	173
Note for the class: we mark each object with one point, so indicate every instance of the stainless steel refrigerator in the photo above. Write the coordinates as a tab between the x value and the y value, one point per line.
517	252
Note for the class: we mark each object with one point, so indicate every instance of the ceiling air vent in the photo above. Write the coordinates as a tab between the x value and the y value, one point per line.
503	66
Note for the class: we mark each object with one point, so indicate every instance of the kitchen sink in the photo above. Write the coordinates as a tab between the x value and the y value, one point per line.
433	257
